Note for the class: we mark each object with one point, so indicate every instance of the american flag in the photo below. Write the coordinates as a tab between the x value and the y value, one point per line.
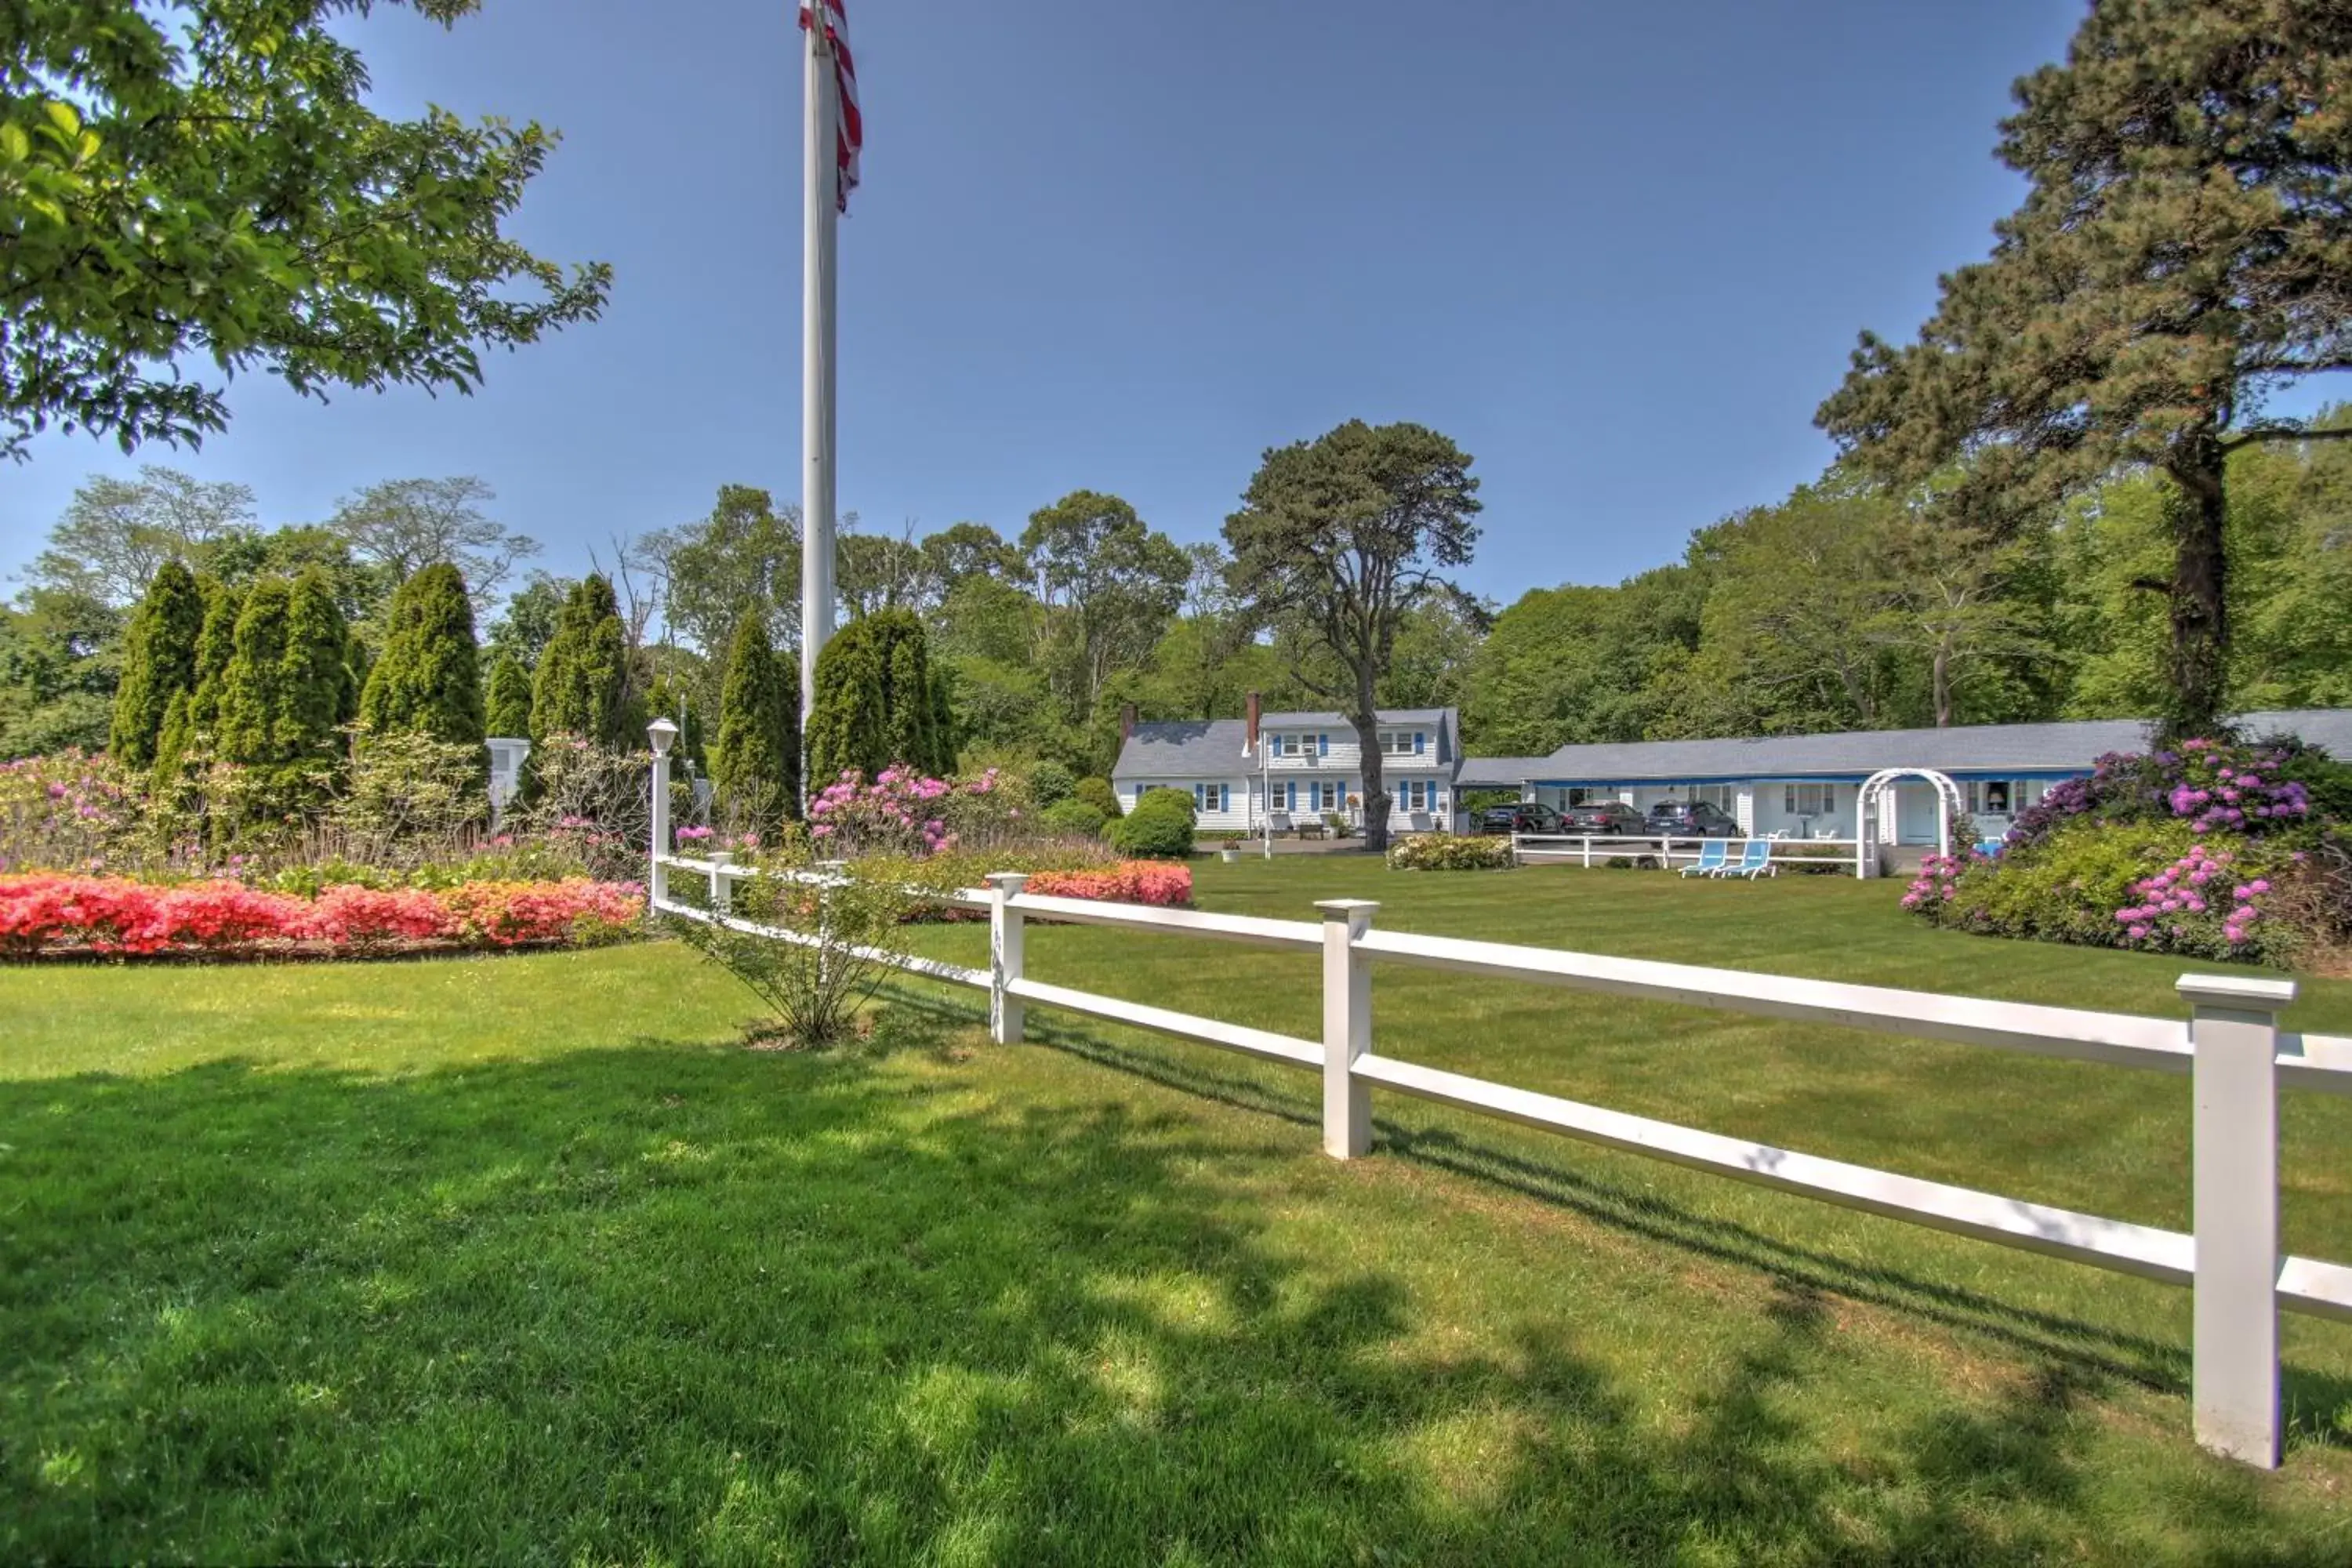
852	129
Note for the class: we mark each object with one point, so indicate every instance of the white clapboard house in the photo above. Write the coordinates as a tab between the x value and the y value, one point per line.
1292	768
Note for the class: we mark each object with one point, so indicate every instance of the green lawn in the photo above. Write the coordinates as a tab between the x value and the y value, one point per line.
521	1258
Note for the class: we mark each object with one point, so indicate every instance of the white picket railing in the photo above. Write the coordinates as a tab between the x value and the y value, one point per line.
2230	1045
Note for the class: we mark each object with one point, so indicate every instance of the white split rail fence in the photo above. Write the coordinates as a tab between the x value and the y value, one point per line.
2232	1046
1590	848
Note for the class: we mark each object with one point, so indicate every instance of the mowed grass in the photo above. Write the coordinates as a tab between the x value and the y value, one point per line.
522	1258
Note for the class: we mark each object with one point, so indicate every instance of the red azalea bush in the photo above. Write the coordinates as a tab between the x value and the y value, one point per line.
116	914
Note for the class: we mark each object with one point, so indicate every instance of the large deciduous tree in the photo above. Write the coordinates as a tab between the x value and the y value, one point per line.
1342	534
403	526
1110	585
116	533
2184	251
429	679
204	183
159	663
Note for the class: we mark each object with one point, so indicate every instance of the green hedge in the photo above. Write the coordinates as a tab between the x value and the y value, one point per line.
1074	818
1159	828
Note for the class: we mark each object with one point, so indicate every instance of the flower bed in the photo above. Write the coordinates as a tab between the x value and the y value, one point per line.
49	913
2212	850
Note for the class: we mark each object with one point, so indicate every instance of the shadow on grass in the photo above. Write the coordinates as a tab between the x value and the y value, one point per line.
2087	1353
665	1301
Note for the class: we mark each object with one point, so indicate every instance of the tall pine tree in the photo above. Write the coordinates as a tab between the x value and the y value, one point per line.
756	762
429	677
159	663
287	686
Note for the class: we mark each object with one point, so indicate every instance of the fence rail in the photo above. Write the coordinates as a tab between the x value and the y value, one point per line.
2230	1045
1670	849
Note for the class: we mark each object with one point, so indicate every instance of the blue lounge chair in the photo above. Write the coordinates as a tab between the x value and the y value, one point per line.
1755	860
1714	856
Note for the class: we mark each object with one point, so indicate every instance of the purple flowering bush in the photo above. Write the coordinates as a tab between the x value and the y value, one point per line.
900	813
67	811
2212	850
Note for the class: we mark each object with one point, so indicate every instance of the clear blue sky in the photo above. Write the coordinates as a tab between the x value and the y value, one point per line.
1618	251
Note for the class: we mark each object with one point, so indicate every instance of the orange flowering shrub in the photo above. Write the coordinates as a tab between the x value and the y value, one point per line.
1129	882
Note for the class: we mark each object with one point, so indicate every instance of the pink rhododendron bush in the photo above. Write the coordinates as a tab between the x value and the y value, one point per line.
2210	851
47	913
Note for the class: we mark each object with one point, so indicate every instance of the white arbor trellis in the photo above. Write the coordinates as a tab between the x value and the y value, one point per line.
1949	808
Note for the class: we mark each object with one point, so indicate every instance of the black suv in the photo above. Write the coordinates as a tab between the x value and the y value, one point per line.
1692	819
1519	816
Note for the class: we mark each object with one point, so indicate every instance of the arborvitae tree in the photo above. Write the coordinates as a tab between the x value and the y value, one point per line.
757	758
675	699
173	741
251	695
215	645
875	704
158	662
509	710
582	686
321	695
429	679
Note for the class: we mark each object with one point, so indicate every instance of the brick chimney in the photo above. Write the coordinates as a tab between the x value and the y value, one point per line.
1255	711
1126	723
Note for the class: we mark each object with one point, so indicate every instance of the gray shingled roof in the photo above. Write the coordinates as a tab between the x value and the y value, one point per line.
1214	748
1967	749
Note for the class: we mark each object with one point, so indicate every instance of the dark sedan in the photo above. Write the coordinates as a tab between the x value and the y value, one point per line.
1519	816
1692	819
1605	819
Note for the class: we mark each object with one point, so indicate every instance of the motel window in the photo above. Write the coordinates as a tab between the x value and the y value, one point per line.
1725	796
1809	799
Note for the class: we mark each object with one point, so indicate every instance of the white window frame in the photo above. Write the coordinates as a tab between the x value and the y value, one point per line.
1723	797
1808	799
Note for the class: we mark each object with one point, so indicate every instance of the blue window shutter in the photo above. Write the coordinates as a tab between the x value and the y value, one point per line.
1420	744
1322	745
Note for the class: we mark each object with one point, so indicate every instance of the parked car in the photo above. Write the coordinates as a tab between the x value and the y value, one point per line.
1692	819
1519	816
1605	819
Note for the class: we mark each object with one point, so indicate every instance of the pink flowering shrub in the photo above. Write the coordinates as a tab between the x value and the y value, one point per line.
68	809
116	914
2211	850
901	813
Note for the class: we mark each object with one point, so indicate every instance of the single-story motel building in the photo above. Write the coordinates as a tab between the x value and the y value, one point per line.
1793	786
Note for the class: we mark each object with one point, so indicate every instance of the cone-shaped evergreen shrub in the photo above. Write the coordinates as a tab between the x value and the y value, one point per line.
755	765
509	710
159	663
581	684
215	645
875	701
429	680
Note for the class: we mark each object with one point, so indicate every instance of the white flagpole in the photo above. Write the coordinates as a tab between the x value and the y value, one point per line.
821	184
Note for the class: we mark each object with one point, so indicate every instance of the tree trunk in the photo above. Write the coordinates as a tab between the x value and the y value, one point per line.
1366	720
2199	509
1942	669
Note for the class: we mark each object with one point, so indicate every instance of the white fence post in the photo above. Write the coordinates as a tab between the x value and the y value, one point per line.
659	734
2235	1378
722	886
1346	1027
1005	931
